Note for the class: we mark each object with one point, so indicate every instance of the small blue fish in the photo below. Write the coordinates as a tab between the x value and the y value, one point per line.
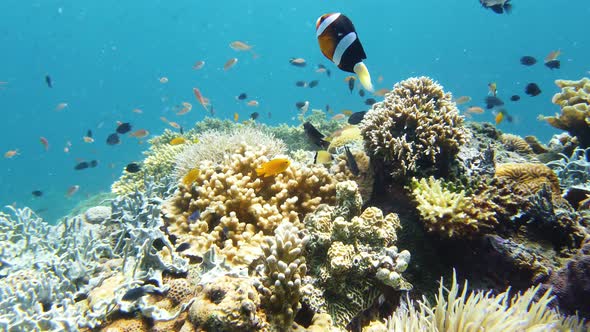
194	216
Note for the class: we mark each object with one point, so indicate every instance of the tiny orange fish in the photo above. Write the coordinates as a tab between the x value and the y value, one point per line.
191	176
499	118
552	55
462	100
380	79
236	117
141	133
60	106
164	119
338	117
163	80
475	110
253	103
381	92
136	111
72	190
187	108
174	124
88	139
45	142
230	63
198	65
11	153
240	46
273	167
177	141
200	98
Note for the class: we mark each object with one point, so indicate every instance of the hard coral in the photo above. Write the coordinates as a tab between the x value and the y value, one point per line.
350	254
238	208
528	178
416	128
574	100
453	213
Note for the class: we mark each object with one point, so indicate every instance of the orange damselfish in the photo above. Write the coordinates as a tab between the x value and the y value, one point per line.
273	167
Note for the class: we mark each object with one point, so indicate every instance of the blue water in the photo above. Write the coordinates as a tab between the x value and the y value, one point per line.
106	57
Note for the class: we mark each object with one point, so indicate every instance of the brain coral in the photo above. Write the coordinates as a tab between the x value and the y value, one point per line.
574	100
416	127
230	207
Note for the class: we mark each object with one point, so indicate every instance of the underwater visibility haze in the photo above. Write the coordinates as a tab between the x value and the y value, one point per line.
271	165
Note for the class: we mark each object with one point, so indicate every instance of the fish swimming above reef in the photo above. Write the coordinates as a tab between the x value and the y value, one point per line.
497	6
532	89
273	167
113	139
357	117
492	101
553	64
528	60
351	162
123	128
339	42
48	81
315	136
133	168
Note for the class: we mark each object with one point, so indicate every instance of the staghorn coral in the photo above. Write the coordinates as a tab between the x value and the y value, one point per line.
416	128
216	146
351	255
281	270
159	163
479	310
453	213
574	100
238	208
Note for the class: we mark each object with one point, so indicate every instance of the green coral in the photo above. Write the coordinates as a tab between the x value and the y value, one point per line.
452	212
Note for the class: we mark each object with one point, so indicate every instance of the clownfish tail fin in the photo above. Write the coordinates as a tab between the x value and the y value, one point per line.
363	73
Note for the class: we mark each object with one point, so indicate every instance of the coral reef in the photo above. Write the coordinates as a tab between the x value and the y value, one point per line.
416	128
516	143
230	207
351	254
574	100
159	162
572	170
453	213
454	311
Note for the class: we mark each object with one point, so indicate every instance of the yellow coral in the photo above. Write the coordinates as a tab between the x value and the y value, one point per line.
574	100
238	208
450	213
347	135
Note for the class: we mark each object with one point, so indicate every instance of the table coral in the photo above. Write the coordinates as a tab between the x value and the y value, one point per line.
416	128
574	100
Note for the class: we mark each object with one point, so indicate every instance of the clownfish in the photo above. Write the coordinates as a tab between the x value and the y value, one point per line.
339	43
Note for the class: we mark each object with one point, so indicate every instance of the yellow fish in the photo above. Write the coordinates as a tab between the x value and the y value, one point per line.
273	167
322	157
177	141
191	176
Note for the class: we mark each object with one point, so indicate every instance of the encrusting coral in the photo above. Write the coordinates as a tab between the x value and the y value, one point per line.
350	253
416	128
481	311
574	100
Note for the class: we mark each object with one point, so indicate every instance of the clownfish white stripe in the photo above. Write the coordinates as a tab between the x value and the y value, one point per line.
342	46
326	23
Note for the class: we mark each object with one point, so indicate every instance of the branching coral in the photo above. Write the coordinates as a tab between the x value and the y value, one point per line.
217	146
453	213
416	127
482	311
230	207
574	100
281	270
